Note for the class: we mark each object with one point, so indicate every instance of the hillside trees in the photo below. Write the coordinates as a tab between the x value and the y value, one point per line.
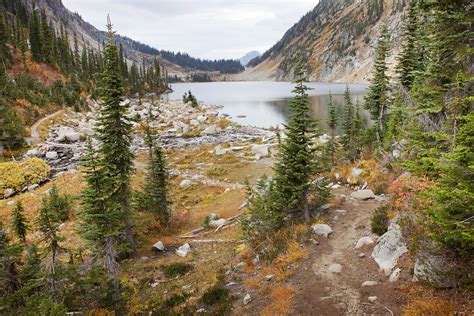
332	124
377	99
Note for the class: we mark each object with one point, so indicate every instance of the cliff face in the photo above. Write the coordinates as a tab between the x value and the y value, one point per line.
338	40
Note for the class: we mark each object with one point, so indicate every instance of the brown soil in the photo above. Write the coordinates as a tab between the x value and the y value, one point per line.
320	292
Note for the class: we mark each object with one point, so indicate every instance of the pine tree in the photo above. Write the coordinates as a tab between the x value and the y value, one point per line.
155	191
377	99
397	120
115	135
332	124
9	258
409	58
4	50
295	162
19	222
35	35
347	123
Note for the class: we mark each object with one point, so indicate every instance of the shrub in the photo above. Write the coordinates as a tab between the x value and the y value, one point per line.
217	298
380	220
59	205
14	175
176	269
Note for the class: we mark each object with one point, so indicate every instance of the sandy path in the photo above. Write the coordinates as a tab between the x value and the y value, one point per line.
321	292
35	137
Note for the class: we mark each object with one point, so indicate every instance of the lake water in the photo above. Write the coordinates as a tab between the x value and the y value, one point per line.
265	104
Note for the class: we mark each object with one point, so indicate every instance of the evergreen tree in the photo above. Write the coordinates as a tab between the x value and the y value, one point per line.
295	163
377	99
397	120
4	50
115	135
332	124
155	191
19	222
409	58
35	35
9	259
347	124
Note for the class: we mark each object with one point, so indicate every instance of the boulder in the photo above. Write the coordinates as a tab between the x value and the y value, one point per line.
367	240
66	133
391	246
261	150
335	268
210	130
185	183
322	229
183	250
363	195
51	155
435	269
159	246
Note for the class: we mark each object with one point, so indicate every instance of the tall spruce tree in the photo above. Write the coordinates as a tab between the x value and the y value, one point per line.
115	135
347	124
295	163
35	34
19	222
377	99
409	58
332	125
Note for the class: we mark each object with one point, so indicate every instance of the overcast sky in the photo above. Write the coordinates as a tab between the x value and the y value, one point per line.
203	28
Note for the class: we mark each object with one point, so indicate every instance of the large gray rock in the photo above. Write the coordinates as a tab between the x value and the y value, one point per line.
183	250
51	155
261	150
363	195
391	246
159	246
210	130
435	269
66	133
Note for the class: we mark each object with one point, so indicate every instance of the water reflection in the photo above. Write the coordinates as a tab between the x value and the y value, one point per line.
265	104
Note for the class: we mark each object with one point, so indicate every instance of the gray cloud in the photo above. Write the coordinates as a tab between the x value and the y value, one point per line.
202	28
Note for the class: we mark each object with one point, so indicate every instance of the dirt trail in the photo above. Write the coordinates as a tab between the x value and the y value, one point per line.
35	137
321	292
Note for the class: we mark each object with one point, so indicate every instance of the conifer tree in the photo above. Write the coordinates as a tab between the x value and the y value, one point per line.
35	35
377	99
4	51
115	135
295	162
409	58
155	191
347	123
19	222
332	124
9	254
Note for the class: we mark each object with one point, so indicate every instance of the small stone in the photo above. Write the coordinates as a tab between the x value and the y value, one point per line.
364	241
395	275
8	193
159	246
185	183
342	212
361	255
10	203
335	268
269	277
51	155
363	195
372	299
370	283
247	299
33	187
183	250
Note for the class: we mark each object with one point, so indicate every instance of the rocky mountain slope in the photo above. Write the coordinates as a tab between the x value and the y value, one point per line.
244	60
338	38
135	51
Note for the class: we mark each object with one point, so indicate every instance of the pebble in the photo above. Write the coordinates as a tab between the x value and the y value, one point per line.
247	299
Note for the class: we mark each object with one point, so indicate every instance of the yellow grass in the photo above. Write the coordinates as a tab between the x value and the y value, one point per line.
281	301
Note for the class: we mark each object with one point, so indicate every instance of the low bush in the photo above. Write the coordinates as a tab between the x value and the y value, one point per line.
16	176
176	269
217	299
380	220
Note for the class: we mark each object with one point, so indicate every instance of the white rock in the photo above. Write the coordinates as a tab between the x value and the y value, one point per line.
395	275
342	212
247	299
372	299
269	277
396	153
356	172
159	246
367	240
194	123
322	229
361	255
33	152
202	118
219	151
185	183
210	130
370	283
363	194
336	186
218	223
335	268
51	155
33	187
10	203
66	133
261	150
391	246
183	250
